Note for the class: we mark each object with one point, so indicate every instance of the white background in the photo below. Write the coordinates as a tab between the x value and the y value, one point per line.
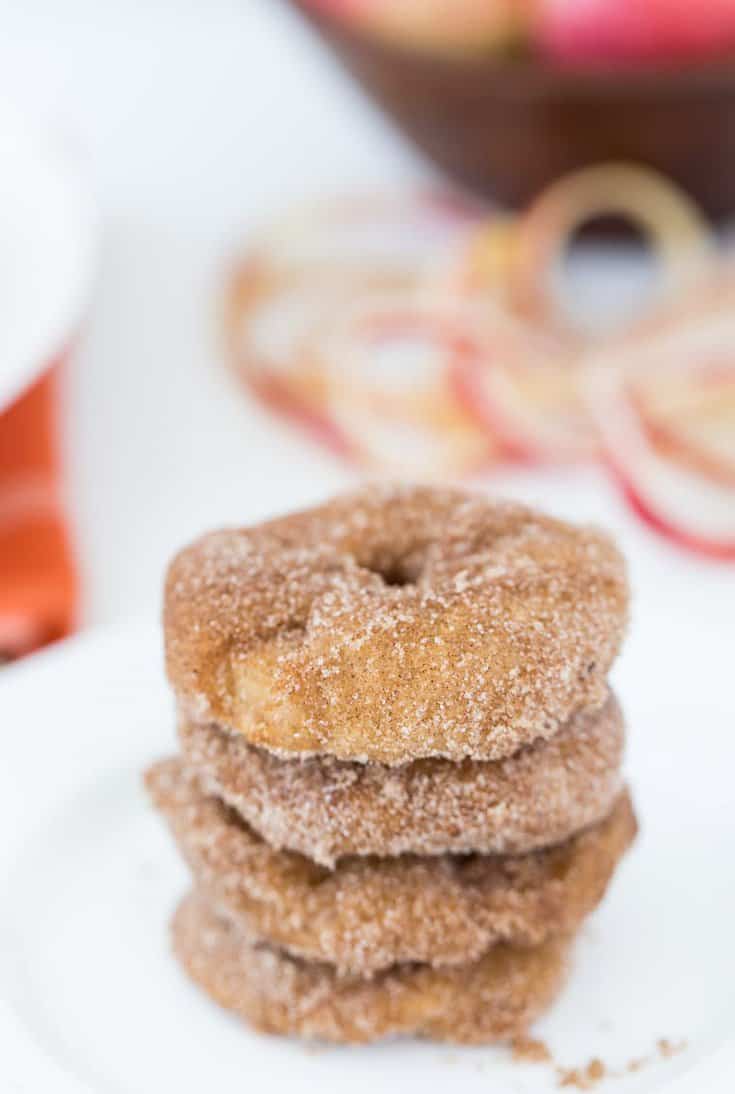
199	118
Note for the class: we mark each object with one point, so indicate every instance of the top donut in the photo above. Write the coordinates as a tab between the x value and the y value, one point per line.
395	623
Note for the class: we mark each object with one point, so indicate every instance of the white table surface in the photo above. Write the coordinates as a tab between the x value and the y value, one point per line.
199	118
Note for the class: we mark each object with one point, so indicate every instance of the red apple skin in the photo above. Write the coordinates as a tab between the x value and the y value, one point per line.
620	31
686	538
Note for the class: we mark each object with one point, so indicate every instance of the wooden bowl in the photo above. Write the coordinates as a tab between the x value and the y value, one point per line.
508	128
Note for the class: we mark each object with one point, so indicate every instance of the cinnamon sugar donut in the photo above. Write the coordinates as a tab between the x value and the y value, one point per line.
395	623
493	1000
370	913
327	808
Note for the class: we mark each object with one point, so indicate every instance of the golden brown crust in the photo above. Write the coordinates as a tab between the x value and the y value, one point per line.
396	623
370	913
494	999
326	808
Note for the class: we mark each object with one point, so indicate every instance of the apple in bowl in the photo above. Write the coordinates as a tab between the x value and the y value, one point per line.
567	31
447	26
629	31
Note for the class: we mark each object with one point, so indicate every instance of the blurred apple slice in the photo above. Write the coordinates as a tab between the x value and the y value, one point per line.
670	223
301	273
386	370
397	232
688	507
523	387
267	319
664	404
692	417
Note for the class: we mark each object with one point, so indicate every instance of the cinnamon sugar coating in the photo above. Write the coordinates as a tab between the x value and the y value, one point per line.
494	999
326	808
396	623
371	913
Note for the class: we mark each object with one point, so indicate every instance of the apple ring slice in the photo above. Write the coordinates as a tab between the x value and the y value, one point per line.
524	388
664	402
386	368
312	266
267	319
674	227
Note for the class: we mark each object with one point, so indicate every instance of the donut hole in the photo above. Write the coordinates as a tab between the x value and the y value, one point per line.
397	573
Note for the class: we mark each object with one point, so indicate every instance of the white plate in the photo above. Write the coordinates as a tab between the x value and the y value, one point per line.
47	244
92	1000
